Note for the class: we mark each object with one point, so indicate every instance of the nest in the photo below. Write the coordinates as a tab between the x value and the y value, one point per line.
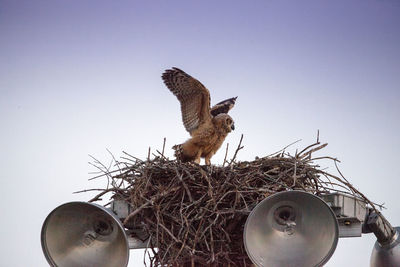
195	215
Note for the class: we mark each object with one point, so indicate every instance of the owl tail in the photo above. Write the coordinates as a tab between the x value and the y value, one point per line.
181	154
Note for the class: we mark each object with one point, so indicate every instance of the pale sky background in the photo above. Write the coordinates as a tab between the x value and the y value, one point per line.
80	77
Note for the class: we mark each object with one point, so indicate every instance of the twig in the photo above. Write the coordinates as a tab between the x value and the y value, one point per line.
163	147
237	150
283	149
226	154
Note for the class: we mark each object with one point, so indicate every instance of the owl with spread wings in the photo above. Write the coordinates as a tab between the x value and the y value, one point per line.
207	126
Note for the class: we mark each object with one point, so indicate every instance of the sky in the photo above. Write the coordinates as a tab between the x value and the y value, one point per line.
80	77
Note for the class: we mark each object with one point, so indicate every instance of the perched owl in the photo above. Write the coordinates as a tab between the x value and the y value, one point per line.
207	126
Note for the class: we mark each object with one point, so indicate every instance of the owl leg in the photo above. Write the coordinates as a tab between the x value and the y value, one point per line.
208	159
198	155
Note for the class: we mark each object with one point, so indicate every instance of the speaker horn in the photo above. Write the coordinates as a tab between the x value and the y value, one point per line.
84	234
292	228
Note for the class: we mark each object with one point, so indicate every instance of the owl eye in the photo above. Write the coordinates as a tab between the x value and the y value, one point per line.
229	121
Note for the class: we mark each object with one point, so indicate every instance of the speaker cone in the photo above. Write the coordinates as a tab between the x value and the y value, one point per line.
387	255
84	234
292	228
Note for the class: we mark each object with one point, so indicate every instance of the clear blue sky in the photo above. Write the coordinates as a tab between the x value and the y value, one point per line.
77	77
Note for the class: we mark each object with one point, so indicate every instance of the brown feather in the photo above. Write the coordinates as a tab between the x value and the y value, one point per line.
223	106
192	95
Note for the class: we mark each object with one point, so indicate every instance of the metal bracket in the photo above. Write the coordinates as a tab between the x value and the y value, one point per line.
350	212
353	215
137	238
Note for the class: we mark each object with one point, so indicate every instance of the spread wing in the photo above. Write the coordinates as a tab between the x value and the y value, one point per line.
193	96
223	106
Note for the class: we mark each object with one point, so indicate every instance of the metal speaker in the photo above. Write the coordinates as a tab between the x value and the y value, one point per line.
291	228
84	234
388	254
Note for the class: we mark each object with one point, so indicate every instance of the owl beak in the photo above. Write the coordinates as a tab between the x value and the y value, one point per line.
233	126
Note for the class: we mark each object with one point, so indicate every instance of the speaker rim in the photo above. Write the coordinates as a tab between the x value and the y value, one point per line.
101	208
336	224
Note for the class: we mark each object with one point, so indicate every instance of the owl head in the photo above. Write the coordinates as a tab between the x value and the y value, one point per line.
224	122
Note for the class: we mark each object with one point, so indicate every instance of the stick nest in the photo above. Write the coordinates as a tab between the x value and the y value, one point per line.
195	215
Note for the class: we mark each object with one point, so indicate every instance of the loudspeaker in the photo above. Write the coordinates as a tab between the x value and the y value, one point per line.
84	234
292	228
387	254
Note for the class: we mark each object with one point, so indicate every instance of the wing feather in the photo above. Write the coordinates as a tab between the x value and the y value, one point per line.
192	95
223	106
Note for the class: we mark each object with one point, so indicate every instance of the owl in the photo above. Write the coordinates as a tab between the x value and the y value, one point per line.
207	126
